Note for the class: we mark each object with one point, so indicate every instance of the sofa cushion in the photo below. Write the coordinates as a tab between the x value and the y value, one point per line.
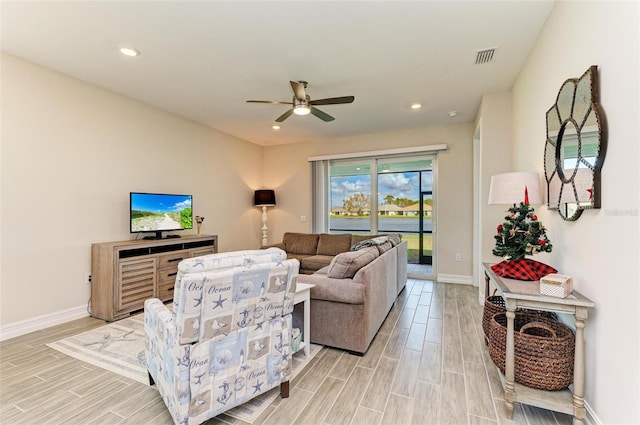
300	243
298	257
346	264
315	262
333	244
337	290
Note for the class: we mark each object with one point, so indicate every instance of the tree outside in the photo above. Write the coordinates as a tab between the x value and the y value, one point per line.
357	204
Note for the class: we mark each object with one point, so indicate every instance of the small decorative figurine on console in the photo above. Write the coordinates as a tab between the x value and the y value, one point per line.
520	235
199	220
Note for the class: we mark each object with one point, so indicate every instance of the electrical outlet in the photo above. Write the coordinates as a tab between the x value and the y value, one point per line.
458	257
87	278
303	218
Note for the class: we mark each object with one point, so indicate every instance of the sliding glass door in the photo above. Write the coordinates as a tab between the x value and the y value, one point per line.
402	201
405	190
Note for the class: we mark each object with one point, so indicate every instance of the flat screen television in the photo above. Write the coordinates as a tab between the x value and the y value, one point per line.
158	212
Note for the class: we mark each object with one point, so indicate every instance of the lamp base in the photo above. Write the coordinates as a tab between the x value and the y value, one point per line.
523	269
265	229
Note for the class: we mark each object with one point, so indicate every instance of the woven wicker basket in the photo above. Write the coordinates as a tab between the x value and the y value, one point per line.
495	304
492	305
544	350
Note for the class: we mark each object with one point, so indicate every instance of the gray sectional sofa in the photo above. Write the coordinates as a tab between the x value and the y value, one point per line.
354	293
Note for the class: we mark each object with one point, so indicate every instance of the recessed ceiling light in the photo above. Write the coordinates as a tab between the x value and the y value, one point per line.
416	106
129	51
276	127
453	114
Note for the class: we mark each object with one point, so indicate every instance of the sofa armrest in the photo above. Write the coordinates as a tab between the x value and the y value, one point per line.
159	320
164	355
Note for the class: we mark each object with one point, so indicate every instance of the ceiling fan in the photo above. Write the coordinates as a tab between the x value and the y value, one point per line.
303	105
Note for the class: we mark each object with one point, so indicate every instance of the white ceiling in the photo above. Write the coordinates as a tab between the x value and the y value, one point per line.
203	59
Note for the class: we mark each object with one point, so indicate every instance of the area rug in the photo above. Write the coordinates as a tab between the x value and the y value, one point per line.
119	348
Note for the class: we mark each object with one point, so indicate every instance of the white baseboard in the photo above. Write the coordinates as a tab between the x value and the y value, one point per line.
22	327
455	278
592	418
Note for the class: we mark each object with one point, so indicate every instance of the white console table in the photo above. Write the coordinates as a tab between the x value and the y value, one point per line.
303	295
526	294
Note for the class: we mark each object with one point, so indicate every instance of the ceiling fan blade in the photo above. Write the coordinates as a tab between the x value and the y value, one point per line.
298	90
275	102
322	115
333	100
285	115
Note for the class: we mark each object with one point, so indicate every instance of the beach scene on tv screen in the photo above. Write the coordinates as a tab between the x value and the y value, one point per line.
151	212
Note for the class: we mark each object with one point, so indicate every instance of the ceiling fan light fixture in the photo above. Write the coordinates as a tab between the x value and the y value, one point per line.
301	110
303	105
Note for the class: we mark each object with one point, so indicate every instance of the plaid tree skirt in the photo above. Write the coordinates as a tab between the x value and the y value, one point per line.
524	269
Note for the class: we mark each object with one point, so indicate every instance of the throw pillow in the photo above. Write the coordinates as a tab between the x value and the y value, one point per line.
346	264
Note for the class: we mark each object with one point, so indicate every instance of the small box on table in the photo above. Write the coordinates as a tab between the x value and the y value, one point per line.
556	285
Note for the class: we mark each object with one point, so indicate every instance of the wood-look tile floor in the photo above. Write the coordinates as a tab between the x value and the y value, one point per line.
427	365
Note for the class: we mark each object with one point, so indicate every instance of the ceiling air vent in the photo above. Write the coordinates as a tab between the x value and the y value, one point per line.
485	55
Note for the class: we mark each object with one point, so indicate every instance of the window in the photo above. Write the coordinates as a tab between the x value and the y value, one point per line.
402	201
350	197
391	191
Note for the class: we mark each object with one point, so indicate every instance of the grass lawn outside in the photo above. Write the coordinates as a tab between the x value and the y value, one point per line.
413	246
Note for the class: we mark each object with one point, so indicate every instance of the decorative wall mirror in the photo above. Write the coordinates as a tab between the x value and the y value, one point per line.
575	147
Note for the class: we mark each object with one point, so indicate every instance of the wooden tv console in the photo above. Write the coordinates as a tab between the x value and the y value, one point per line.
125	273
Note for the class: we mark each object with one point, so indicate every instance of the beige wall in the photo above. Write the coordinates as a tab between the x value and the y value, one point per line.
287	171
492	143
600	250
71	153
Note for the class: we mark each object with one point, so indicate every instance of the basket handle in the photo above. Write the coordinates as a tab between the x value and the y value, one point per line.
541	326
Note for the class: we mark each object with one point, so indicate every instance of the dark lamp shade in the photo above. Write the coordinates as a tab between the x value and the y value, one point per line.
264	198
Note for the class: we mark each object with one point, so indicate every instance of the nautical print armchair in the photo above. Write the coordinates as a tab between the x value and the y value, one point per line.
227	337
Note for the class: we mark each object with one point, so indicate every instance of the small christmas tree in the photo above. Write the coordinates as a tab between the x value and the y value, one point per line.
521	234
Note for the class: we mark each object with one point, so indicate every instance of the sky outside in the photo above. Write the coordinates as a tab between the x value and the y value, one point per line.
399	185
159	203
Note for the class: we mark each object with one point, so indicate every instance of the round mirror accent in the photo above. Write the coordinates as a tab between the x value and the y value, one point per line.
575	147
